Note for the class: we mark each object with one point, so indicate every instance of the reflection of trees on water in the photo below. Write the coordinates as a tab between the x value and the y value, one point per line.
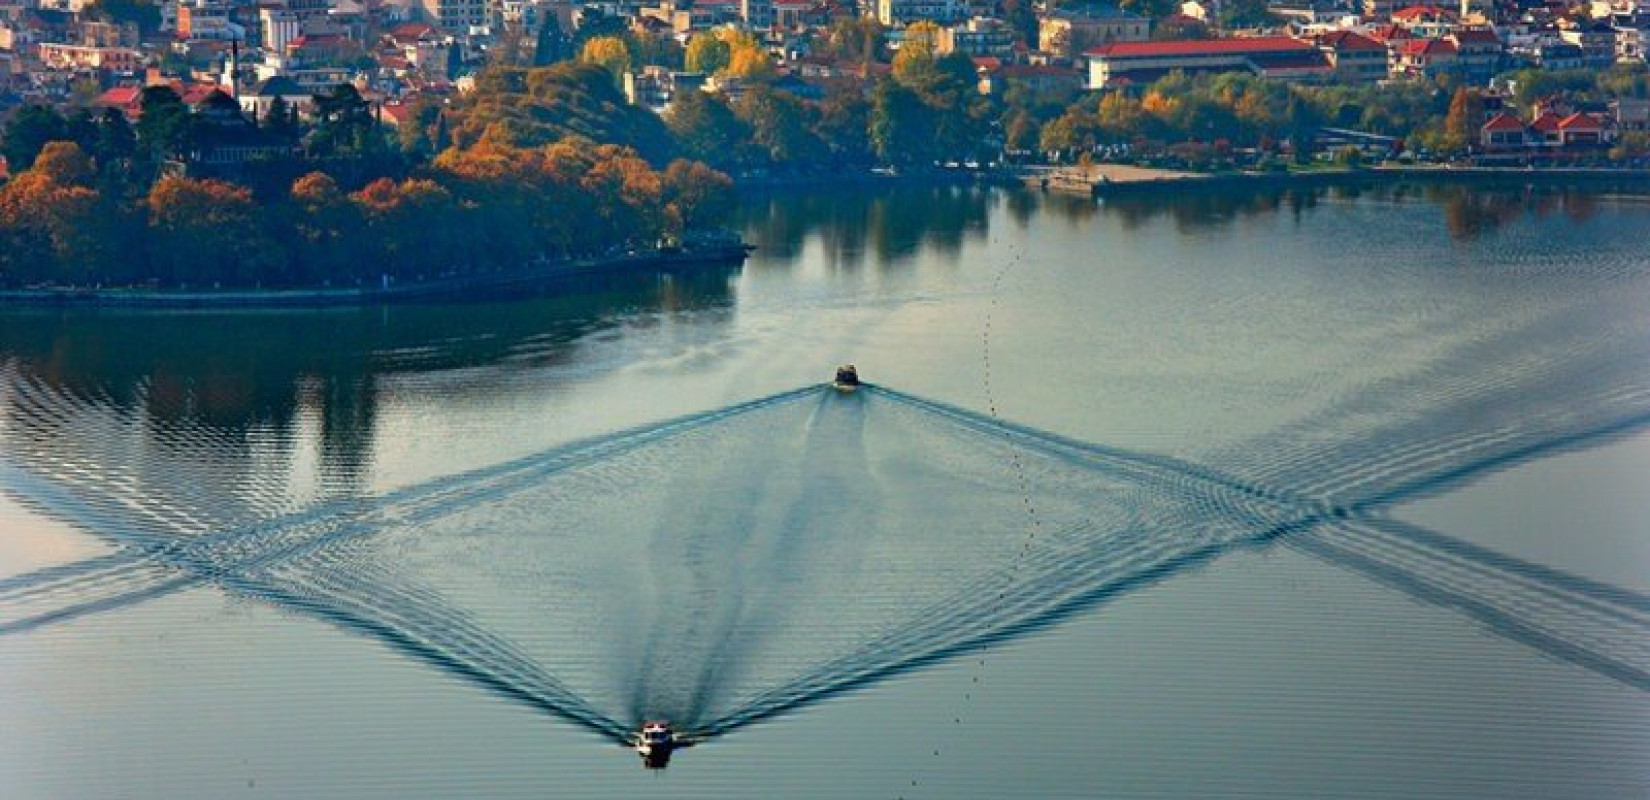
233	389
887	224
1469	211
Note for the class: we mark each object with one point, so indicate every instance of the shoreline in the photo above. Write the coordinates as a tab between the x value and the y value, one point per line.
1108	180
475	286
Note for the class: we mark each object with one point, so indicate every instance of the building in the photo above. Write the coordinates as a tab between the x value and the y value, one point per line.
1355	58
74	57
897	13
980	36
1502	132
456	16
1423	58
1597	41
1068	31
1280	57
656	87
1631	114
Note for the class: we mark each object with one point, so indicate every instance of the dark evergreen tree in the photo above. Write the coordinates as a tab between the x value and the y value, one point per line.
28	131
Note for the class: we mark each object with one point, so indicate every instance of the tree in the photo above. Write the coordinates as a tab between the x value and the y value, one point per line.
706	128
902	126
29	131
327	231
166	129
344	125
695	197
116	143
706	53
858	40
609	53
844	125
411	225
66	164
1466	115
52	226
750	63
552	45
205	232
779	126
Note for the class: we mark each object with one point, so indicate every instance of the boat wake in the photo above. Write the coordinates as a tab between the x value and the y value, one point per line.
722	568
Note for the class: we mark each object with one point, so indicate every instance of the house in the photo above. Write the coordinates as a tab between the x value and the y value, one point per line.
1631	114
898	13
257	101
1039	78
1423	58
82	57
1544	130
656	87
1478	54
1597	41
1428	22
1354	58
979	36
126	99
1559	56
1502	132
1280	57
1067	31
1581	130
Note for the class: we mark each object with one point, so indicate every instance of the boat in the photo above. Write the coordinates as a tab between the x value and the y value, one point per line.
654	743
847	378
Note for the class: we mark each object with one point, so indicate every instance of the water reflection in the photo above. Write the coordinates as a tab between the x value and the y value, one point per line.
855	227
1468	211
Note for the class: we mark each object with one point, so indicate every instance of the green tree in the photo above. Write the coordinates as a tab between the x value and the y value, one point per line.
902	126
706	53
552	45
165	129
707	129
844	124
344	124
28	131
779	125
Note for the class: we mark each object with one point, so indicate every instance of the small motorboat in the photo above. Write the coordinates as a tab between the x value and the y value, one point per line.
654	743
847	378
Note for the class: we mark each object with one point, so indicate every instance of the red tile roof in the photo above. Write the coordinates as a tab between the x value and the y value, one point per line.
1348	40
1580	122
1391	33
120	96
1503	122
1427	47
1548	121
1199	47
1417	13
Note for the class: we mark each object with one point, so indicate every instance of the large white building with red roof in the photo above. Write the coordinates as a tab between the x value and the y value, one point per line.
1282	57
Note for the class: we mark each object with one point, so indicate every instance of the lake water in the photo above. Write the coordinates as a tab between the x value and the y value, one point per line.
1336	493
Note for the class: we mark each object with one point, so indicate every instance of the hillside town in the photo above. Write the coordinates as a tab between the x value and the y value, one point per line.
225	58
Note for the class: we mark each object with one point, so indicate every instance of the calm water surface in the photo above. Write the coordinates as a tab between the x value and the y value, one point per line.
1318	495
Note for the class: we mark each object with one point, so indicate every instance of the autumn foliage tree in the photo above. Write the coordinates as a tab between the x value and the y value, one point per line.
49	222
205	233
